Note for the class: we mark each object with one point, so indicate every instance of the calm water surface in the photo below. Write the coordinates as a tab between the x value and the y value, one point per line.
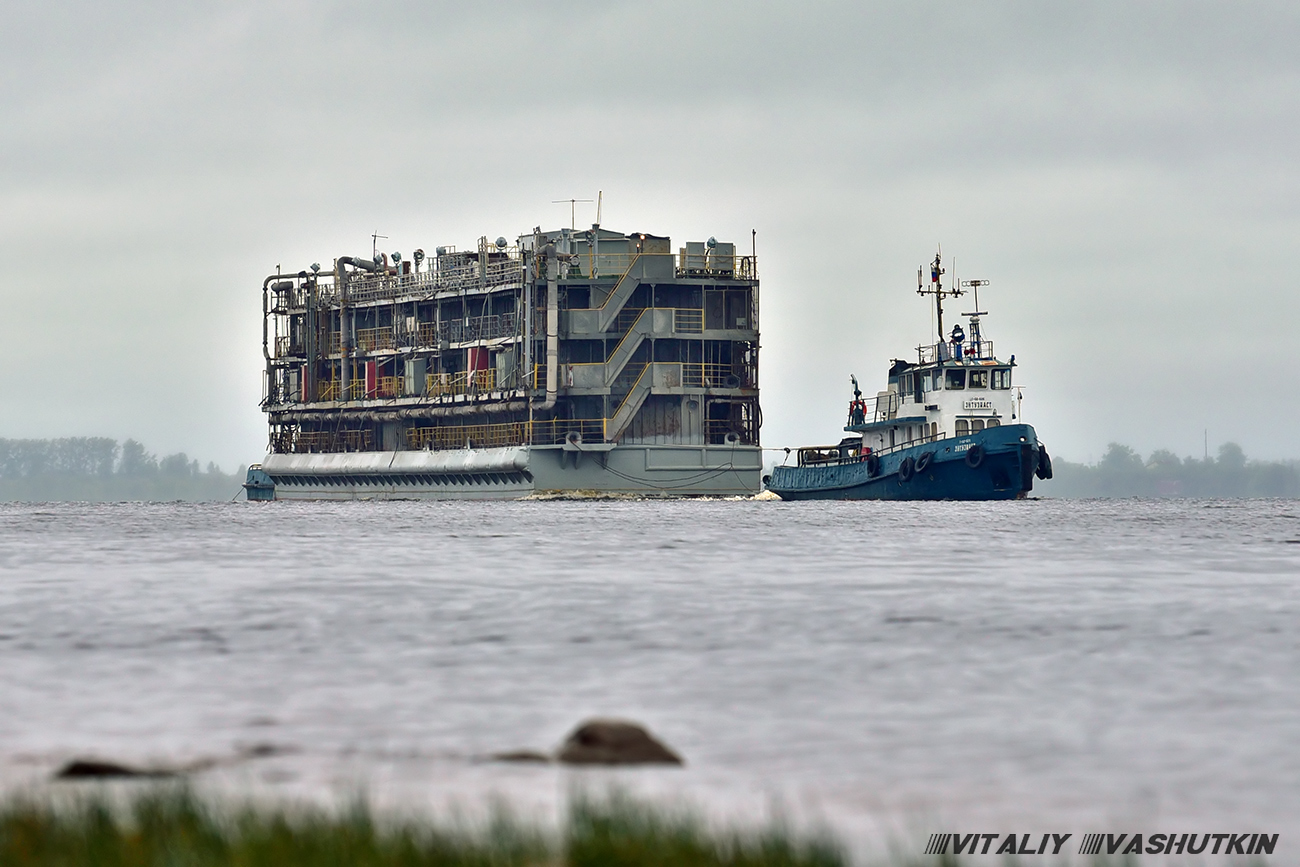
887	668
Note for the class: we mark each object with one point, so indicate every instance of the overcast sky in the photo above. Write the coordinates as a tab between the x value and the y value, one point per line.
1124	173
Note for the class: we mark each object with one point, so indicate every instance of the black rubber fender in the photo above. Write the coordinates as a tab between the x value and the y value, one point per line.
924	461
975	456
906	469
873	466
1044	468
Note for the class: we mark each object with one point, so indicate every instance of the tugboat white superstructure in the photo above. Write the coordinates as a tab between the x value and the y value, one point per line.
947	427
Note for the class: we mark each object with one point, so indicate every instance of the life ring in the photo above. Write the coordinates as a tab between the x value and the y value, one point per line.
975	456
873	466
923	462
1044	468
906	469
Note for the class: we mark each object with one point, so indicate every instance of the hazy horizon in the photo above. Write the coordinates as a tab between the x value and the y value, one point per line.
1124	175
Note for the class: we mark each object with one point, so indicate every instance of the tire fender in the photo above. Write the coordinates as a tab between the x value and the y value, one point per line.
1044	468
906	470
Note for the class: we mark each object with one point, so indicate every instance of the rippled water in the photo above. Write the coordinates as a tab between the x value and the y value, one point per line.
892	669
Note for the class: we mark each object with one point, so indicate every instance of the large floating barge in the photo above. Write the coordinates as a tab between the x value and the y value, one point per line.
569	361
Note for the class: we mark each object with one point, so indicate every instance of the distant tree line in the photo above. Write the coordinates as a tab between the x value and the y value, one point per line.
98	469
1122	472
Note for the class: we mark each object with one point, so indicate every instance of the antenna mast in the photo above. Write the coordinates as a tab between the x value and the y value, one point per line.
936	288
573	210
975	316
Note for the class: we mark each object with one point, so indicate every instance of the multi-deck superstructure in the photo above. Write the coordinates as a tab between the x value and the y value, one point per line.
585	360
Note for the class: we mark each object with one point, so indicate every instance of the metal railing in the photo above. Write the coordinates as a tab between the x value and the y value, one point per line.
557	431
603	265
332	389
455	272
453	275
370	339
465	436
871	410
478	328
932	352
853	453
287	347
697	375
464	382
630	377
430	334
688	320
627	317
551	432
300	442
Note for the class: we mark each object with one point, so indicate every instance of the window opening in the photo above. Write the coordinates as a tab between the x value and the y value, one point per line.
956	379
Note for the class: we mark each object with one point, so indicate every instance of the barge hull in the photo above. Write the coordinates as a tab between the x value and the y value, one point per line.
510	473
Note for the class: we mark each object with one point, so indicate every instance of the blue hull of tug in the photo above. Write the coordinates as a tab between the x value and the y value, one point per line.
1005	472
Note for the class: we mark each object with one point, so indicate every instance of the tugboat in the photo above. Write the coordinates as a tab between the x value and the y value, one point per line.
947	427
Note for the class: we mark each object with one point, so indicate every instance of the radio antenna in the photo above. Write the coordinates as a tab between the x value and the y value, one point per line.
936	288
573	210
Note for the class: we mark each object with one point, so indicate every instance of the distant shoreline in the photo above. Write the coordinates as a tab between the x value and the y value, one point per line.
100	470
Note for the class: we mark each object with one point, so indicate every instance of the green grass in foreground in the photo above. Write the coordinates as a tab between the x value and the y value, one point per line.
172	827
178	830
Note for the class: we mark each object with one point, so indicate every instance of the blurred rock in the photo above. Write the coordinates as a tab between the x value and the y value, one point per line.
89	769
521	756
614	742
264	751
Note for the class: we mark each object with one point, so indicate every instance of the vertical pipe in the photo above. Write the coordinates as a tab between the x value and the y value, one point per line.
310	336
552	325
526	361
266	352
